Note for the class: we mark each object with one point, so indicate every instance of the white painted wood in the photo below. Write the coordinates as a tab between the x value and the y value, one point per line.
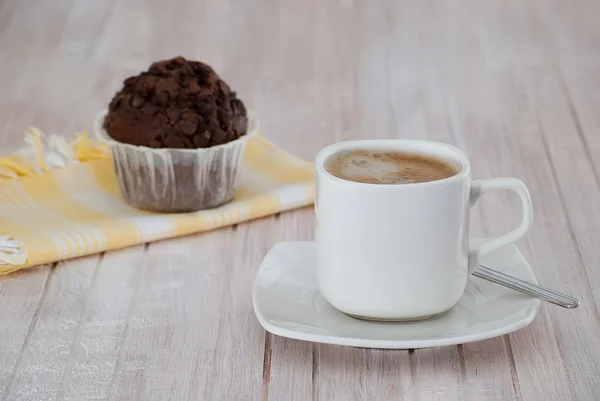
436	374
366	374
549	239
176	314
513	83
288	375
20	298
347	384
578	195
487	374
238	355
47	347
99	338
387	376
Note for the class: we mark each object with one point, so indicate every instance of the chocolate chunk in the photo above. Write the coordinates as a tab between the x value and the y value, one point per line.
162	99
173	115
154	143
202	140
148	109
193	86
176	142
176	98
145	84
137	101
168	85
187	127
240	126
205	108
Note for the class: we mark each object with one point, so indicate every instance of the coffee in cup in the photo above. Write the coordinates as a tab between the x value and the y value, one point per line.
388	167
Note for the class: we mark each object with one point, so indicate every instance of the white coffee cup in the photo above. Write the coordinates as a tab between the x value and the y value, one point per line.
401	251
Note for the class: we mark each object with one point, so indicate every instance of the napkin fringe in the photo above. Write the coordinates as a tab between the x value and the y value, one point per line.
44	153
41	154
13	254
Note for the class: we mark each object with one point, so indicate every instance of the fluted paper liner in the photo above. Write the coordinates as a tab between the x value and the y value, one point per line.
177	180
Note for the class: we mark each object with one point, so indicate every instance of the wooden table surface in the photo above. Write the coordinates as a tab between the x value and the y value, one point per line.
514	83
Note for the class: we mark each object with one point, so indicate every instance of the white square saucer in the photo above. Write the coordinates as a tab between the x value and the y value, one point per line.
287	302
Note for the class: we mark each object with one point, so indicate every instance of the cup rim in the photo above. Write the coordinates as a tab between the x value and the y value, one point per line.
393	145
101	134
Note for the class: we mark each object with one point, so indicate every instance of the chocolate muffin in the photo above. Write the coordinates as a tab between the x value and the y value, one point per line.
176	104
177	135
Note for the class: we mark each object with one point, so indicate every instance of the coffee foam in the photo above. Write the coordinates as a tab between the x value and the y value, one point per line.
388	167
368	167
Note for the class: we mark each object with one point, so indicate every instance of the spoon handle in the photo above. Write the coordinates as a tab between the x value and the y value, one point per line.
545	294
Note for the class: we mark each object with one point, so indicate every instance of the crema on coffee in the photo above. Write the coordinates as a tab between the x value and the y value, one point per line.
388	167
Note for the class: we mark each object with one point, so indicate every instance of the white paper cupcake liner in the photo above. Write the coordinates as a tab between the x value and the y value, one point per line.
176	180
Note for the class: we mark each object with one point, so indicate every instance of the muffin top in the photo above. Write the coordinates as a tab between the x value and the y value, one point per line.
177	103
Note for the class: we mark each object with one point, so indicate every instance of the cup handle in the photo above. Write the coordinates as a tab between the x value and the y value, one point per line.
480	187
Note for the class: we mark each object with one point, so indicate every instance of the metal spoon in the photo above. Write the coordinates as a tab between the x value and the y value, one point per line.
545	294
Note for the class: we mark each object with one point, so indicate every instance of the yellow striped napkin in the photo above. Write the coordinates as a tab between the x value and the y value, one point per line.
60	199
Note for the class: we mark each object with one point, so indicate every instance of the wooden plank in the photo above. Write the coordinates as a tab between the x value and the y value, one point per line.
366	374
553	248
289	373
20	296
194	311
300	120
436	374
82	30
176	315
578	197
515	104
15	17
13	117
45	355
387	375
332	383
239	352
487	371
512	111
94	354
580	156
